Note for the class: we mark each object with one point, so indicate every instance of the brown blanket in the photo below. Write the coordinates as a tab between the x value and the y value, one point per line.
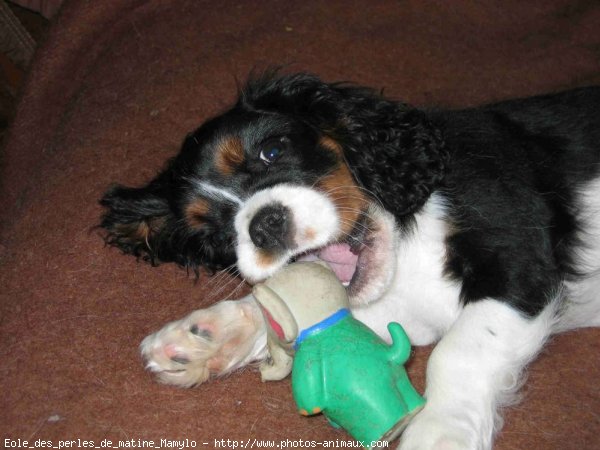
111	95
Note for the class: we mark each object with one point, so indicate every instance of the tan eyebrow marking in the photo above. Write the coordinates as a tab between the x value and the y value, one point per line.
229	155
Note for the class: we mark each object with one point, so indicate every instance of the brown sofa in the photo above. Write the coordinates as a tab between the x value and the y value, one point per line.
110	96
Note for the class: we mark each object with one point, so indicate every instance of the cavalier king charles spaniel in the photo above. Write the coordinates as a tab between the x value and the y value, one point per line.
478	229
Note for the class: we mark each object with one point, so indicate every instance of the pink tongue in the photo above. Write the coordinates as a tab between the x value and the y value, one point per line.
341	260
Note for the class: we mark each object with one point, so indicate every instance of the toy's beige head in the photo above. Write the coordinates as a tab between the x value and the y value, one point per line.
297	297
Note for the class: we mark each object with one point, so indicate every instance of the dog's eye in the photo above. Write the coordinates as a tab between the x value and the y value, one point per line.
270	155
272	150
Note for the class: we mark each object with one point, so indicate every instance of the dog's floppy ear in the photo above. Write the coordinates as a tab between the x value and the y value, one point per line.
135	220
396	154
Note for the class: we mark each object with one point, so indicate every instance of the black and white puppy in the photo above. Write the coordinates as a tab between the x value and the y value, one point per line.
478	228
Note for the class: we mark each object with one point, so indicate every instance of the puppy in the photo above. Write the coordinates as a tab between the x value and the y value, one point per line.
478	228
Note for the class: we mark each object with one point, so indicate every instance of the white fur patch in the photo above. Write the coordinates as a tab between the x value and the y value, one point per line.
474	369
418	296
582	307
316	223
217	193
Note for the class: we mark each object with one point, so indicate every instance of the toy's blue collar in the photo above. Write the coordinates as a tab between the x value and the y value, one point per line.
322	325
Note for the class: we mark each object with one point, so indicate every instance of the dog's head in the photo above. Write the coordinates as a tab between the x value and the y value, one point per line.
296	169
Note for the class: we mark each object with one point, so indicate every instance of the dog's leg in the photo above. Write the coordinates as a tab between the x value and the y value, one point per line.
473	370
212	341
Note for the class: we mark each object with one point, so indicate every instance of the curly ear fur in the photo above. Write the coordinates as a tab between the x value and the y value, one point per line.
400	158
140	221
134	220
392	149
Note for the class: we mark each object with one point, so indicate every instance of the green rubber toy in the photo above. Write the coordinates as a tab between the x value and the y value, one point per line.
339	366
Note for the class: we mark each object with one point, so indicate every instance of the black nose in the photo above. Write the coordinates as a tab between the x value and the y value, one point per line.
270	227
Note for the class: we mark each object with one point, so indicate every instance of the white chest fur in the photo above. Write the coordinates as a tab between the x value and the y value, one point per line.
419	297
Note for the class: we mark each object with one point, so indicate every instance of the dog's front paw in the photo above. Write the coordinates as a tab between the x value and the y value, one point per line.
212	341
431	430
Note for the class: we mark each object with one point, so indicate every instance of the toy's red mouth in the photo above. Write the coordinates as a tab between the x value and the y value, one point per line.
275	326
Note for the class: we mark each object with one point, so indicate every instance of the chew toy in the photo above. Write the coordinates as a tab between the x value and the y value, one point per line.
339	366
